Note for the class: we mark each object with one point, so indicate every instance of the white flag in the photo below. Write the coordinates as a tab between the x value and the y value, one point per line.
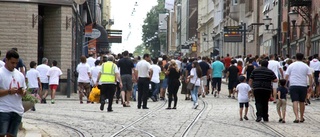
169	4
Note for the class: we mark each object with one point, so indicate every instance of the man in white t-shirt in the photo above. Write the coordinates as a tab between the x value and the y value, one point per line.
54	74
91	60
43	69
155	80
95	72
1	62
143	73
12	89
84	78
276	68
297	73
315	65
33	80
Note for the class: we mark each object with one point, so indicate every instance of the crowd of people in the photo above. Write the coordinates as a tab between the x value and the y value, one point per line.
264	78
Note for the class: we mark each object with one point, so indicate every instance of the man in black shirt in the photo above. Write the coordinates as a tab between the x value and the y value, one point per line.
126	68
206	72
232	76
261	80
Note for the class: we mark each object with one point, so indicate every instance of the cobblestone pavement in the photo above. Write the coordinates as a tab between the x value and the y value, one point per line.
220	118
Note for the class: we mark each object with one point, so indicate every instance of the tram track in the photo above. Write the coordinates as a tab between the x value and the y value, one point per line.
78	132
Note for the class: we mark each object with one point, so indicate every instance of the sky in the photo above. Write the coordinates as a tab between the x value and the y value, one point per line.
121	11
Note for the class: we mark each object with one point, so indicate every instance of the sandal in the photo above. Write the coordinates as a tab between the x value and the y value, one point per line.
283	121
301	121
296	121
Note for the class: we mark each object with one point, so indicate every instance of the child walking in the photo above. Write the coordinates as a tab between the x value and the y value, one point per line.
33	80
243	90
54	74
282	92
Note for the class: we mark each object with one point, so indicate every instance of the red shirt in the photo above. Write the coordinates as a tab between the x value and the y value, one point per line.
227	62
240	70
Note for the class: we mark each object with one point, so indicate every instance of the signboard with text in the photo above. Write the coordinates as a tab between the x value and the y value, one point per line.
232	34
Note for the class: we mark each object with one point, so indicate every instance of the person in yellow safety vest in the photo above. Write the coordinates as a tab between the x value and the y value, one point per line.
108	77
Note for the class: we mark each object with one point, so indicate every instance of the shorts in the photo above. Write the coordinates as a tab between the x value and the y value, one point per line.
126	82
316	77
216	81
164	83
204	80
45	86
298	93
9	123
275	84
232	84
53	87
282	103
246	104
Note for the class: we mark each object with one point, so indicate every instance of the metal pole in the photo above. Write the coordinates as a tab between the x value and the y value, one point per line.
102	4
68	83
76	48
288	33
244	39
277	48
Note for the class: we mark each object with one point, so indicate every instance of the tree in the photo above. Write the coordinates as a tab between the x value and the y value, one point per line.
140	50
151	24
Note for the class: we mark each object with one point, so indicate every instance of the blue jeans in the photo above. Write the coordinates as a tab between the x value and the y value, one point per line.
135	89
9	123
155	89
194	94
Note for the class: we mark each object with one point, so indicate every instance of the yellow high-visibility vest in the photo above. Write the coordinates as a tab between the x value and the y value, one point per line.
108	74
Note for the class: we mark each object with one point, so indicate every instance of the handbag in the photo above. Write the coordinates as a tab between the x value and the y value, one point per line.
190	85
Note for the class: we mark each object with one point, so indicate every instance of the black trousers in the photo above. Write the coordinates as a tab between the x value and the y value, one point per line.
262	98
173	88
143	91
107	92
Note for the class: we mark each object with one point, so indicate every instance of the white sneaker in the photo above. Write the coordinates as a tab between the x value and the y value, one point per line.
196	106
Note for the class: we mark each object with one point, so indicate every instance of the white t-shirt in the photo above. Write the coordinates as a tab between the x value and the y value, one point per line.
94	74
32	76
315	64
298	73
116	70
243	91
83	69
54	74
13	102
43	70
156	73
195	80
1	63
143	68
91	61
274	66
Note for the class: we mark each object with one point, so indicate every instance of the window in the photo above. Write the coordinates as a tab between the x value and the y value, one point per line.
249	6
235	2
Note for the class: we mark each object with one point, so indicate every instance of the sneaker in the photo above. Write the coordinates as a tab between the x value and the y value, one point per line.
233	97
215	94
245	117
44	101
196	106
52	101
241	119
102	106
33	109
229	96
280	120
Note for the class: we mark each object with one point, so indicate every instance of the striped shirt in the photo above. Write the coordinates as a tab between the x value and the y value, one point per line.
262	78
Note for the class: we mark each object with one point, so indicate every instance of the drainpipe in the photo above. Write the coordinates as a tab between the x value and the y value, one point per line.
278	47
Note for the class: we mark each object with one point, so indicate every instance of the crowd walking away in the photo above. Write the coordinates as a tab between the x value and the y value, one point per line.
261	81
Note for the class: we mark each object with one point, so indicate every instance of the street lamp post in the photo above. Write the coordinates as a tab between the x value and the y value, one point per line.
293	15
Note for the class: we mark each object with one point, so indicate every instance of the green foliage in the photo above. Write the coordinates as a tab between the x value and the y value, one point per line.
29	97
140	50
151	24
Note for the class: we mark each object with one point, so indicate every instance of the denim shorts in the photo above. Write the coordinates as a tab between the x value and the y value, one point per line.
9	123
164	83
